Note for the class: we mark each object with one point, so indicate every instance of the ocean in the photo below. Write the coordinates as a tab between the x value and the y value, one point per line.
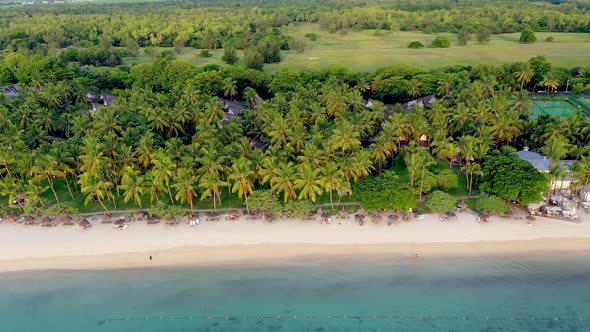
364	294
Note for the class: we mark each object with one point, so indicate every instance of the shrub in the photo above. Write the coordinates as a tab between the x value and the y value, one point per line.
205	54
549	39
527	36
265	200
447	180
299	208
491	204
164	210
312	36
440	201
440	42
60	209
416	44
384	192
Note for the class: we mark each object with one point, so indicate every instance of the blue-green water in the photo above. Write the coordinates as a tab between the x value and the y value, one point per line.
317	293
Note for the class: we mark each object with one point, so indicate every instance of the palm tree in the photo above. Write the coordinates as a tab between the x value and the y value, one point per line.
249	95
283	181
332	178
46	167
471	170
550	82
425	159
310	182
230	88
95	187
34	190
524	74
343	137
241	174
212	183
415	88
581	171
381	150
185	183
506	126
163	170
555	148
134	185
10	187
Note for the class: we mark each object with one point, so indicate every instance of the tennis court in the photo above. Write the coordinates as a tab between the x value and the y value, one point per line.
560	106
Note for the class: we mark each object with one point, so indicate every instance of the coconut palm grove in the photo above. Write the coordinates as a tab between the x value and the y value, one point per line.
85	129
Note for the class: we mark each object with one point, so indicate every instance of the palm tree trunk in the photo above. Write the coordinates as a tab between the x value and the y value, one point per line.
52	189
422	181
7	170
101	203
246	198
331	201
68	184
169	191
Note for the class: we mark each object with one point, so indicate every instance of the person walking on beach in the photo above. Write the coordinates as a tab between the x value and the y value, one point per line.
150	257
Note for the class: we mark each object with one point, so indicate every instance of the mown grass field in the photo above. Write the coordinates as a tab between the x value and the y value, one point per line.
363	51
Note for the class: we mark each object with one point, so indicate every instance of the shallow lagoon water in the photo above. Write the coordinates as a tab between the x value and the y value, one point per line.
525	294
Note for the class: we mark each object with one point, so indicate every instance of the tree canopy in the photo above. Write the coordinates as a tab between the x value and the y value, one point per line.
514	179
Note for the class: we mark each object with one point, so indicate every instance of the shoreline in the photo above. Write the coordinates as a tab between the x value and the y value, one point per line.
293	253
291	241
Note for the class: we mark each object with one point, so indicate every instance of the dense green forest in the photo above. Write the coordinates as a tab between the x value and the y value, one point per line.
181	134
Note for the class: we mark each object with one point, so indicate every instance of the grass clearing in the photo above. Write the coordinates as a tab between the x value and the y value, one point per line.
363	51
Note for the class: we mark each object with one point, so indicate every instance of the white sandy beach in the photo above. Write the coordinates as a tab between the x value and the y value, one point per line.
211	242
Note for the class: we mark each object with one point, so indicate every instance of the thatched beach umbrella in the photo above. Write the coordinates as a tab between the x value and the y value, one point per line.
450	215
359	216
138	215
343	213
462	205
153	219
169	220
83	223
12	217
46	221
67	220
105	218
119	222
28	220
376	217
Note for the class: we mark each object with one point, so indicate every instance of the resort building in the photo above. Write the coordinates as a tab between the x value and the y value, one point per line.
541	163
97	101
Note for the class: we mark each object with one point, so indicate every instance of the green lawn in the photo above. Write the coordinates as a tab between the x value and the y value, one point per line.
365	52
188	54
362	51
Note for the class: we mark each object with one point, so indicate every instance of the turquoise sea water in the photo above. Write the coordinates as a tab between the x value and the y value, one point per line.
515	294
